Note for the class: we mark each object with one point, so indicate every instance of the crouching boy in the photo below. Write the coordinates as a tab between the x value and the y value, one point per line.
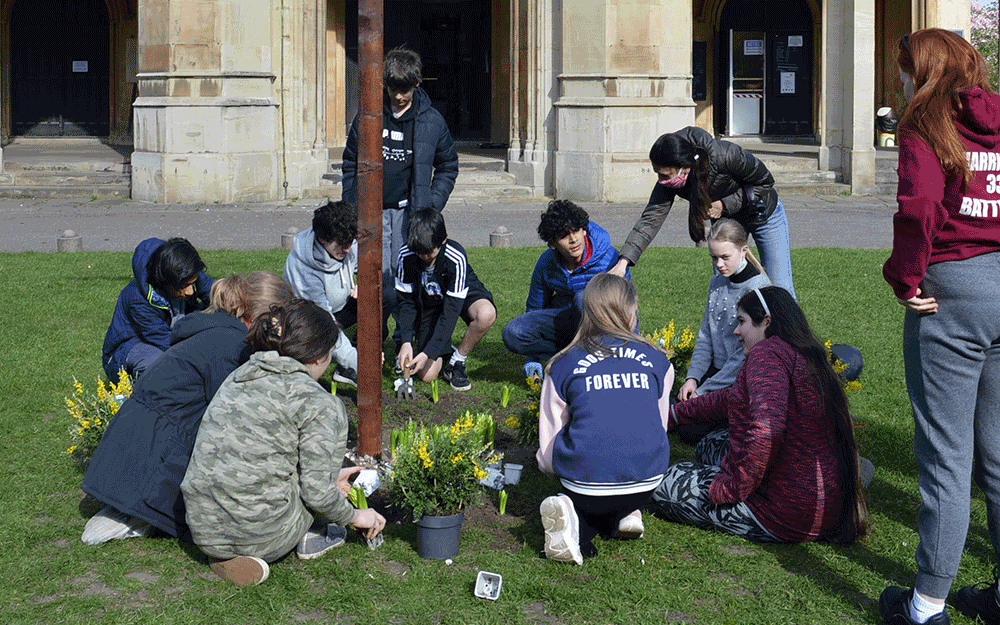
579	249
435	285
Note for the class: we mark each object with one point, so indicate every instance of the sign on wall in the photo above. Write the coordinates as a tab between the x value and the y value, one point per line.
81	67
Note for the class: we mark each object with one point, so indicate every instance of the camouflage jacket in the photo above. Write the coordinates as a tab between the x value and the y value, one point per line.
271	443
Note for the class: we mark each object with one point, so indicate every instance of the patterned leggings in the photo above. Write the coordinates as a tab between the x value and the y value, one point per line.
682	497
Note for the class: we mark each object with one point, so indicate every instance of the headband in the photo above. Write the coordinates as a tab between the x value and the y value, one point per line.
760	296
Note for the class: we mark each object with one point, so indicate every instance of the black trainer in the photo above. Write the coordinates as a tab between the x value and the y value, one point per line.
894	605
979	601
456	377
345	375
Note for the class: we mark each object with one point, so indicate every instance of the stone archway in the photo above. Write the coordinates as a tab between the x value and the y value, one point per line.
43	91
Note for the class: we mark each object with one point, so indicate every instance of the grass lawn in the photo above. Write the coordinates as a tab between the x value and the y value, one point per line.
56	307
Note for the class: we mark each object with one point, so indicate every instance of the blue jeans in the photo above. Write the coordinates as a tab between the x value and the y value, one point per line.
539	334
771	239
139	358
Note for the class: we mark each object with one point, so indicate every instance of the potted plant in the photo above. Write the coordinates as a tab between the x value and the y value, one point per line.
436	472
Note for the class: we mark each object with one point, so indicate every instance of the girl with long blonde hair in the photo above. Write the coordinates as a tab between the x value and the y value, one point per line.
608	460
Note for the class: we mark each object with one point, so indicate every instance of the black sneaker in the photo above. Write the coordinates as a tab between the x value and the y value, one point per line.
345	375
979	601
894	605
456	376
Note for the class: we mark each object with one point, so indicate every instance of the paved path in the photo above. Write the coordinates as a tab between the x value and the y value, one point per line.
825	221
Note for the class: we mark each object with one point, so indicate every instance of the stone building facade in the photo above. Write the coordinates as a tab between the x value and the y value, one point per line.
242	100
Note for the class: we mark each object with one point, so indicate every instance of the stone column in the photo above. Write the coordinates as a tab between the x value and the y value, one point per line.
301	93
626	79
533	137
858	71
207	121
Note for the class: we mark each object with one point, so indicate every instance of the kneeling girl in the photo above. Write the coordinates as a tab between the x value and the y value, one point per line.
267	454
602	424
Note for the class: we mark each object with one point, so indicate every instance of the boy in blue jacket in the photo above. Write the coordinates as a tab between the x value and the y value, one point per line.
579	249
169	282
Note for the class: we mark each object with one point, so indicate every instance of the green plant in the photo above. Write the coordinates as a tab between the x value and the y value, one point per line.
504	396
357	498
92	411
525	424
434	390
436	470
503	502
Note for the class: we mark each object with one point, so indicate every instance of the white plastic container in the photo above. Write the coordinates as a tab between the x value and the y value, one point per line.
488	585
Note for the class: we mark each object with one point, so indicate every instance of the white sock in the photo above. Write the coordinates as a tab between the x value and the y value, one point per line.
921	609
456	357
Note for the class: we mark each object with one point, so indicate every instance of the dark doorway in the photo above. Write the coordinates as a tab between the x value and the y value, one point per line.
60	67
777	36
454	42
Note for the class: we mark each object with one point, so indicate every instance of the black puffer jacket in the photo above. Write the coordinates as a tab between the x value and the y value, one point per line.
435	161
732	173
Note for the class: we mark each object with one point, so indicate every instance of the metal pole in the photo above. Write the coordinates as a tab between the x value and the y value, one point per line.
370	230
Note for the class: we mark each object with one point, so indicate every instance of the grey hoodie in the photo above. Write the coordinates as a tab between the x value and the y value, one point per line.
316	276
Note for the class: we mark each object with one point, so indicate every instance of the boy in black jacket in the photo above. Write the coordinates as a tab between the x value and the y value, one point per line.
435	286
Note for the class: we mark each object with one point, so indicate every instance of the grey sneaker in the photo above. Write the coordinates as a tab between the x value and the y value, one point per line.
113	524
345	375
562	529
314	544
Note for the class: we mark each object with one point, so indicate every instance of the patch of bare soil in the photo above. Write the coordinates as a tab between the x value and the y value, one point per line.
505	532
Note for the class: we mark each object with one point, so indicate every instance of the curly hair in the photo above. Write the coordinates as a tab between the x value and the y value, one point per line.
336	221
561	218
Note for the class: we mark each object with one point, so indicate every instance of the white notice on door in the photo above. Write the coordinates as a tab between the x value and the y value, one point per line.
81	66
787	82
794	41
753	47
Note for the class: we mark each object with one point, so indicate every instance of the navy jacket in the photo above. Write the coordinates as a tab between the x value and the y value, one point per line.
435	161
141	459
143	313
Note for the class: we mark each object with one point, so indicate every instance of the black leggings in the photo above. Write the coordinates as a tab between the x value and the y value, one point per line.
601	515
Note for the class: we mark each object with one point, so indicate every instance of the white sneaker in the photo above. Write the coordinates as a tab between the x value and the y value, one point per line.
631	526
562	529
112	524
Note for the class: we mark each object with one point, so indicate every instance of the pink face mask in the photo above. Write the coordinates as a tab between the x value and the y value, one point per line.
677	181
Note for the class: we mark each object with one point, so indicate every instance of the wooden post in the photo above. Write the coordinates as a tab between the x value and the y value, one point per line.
370	230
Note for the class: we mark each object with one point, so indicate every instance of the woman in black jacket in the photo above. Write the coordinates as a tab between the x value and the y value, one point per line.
138	466
719	179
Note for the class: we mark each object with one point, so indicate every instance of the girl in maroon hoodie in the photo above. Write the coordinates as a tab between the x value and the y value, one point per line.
945	269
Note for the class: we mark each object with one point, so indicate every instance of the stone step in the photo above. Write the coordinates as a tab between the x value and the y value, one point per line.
800	177
832	188
498	191
477	177
777	163
65	192
48	178
68	166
